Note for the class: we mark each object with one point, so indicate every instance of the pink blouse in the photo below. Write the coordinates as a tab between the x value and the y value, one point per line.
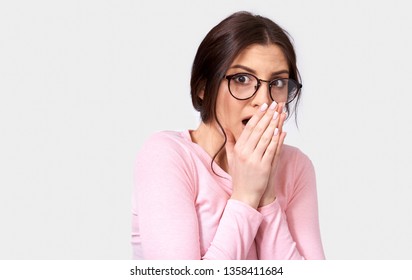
182	210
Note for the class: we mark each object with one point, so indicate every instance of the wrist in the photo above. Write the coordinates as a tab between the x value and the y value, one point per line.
266	201
252	201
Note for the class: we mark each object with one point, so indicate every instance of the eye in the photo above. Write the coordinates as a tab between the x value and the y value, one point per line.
278	83
242	79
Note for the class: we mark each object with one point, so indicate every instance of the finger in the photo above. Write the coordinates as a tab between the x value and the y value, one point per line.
282	137
279	148
261	127
269	154
282	117
267	136
244	136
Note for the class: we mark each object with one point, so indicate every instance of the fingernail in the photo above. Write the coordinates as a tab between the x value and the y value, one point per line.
263	107
276	132
273	105
275	115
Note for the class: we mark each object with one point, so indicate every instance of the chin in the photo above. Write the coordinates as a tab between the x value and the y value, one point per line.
237	133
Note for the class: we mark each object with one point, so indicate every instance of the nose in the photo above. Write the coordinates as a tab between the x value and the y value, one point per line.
262	95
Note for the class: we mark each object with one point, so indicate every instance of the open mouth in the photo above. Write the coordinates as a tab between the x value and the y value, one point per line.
245	121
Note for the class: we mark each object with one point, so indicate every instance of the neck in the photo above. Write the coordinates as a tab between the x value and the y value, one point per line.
210	137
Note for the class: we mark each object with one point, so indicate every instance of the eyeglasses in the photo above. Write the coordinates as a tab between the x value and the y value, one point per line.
243	86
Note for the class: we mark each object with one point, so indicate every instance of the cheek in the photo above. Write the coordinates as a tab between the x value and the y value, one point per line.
228	111
223	104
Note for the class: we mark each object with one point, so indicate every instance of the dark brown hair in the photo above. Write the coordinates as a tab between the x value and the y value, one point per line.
222	45
218	50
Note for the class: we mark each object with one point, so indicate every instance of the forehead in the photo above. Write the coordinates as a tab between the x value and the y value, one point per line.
262	58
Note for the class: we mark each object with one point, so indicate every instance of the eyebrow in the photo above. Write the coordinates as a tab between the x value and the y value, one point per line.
254	72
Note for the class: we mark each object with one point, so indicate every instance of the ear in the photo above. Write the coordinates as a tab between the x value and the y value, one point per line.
201	93
202	86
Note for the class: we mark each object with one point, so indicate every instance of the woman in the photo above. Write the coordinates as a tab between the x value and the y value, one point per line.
231	189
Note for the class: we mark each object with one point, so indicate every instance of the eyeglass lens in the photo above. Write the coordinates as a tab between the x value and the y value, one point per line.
244	86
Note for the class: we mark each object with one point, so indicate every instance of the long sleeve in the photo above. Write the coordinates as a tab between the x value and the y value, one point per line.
292	232
167	215
236	232
274	240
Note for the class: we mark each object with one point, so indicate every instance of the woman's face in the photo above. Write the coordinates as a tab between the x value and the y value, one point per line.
266	62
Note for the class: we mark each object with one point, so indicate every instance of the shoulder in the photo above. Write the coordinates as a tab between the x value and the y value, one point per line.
164	162
162	141
165	136
165	147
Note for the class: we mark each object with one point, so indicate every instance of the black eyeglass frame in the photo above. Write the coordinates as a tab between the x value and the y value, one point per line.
259	83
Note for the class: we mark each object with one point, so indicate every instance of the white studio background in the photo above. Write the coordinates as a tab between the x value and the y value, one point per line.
83	83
